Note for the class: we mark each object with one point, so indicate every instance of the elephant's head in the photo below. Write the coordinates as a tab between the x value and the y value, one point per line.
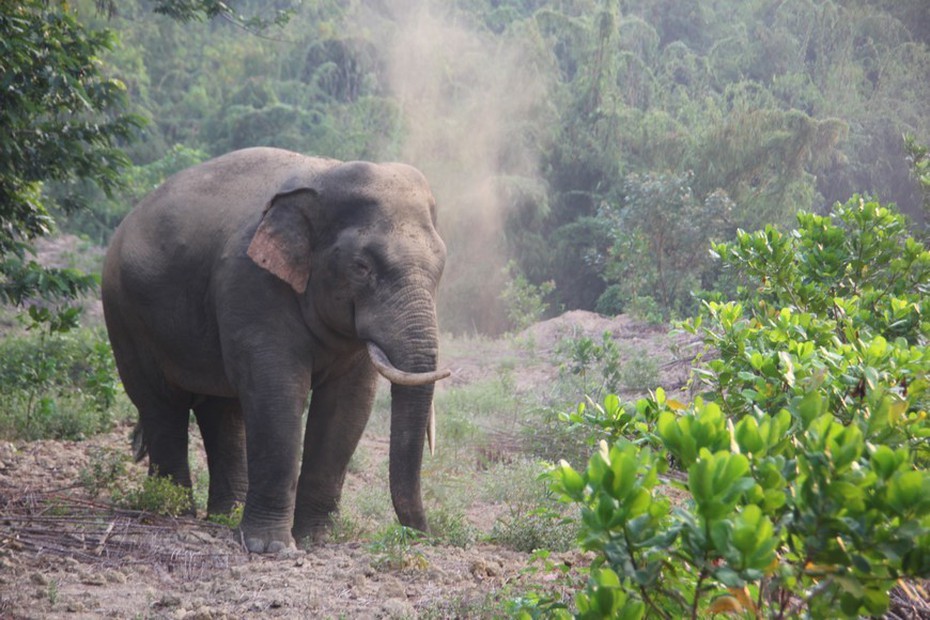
360	248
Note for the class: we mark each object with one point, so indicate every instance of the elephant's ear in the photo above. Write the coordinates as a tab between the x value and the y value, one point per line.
281	244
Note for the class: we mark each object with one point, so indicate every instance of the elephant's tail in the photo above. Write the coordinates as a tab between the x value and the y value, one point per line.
139	449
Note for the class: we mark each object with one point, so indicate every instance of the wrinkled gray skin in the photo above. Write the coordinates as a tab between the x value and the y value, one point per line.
242	283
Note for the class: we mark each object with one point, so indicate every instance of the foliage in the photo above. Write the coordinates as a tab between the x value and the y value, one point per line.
593	369
56	386
138	180
232	519
919	159
61	122
660	237
757	108
451	527
598	144
534	519
804	459
531	530
106	469
524	301
156	494
394	549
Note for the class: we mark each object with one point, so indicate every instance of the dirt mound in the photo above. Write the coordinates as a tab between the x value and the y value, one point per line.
583	324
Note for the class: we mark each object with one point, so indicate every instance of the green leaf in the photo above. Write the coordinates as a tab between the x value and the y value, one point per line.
571	481
810	407
748	437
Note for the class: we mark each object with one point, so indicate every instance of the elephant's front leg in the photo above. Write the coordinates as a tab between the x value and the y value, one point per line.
272	426
339	411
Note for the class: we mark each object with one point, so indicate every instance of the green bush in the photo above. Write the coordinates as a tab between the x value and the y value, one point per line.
532	530
56	385
394	548
804	460
158	495
525	302
107	468
450	527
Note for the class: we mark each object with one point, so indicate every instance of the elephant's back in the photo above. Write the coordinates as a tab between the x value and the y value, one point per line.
174	236
229	190
156	284
199	210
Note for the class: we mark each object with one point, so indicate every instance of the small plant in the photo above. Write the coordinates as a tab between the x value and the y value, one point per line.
158	495
590	368
393	549
532	530
107	467
344	528
51	592
479	605
450	527
594	366
524	301
534	519
232	519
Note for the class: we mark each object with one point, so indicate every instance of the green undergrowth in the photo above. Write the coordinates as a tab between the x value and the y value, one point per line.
58	385
802	457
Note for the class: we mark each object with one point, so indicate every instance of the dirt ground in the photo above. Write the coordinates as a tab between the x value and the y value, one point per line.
66	555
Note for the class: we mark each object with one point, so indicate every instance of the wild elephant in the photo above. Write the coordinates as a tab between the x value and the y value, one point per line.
245	282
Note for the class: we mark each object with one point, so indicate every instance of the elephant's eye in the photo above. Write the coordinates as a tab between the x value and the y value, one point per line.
362	268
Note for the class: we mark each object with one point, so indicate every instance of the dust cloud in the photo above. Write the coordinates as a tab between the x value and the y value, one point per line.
467	99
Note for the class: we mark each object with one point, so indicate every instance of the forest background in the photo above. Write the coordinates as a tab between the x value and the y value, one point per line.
589	150
586	154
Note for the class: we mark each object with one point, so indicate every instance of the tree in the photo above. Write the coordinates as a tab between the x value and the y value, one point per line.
199	10
60	123
918	156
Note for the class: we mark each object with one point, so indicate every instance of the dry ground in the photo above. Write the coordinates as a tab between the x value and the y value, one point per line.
66	555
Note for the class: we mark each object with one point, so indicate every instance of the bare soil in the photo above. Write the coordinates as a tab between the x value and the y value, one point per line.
64	554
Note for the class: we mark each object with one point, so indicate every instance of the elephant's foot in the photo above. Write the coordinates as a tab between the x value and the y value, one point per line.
267	540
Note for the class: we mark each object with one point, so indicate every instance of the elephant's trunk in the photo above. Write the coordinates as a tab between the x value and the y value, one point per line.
410	408
414	348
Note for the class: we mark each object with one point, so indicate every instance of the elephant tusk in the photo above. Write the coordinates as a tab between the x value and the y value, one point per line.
431	430
400	377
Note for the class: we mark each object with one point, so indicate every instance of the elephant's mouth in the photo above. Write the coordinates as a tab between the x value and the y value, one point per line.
401	377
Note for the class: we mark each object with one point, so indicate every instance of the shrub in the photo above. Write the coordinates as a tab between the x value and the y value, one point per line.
394	549
804	460
451	527
106	469
56	385
157	494
524	301
659	237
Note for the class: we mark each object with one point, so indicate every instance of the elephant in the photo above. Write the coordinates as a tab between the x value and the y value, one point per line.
253	283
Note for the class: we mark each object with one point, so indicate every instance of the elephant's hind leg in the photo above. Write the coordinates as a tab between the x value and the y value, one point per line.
164	410
164	425
223	431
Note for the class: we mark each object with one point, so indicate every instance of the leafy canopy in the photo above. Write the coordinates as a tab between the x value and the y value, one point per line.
60	123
